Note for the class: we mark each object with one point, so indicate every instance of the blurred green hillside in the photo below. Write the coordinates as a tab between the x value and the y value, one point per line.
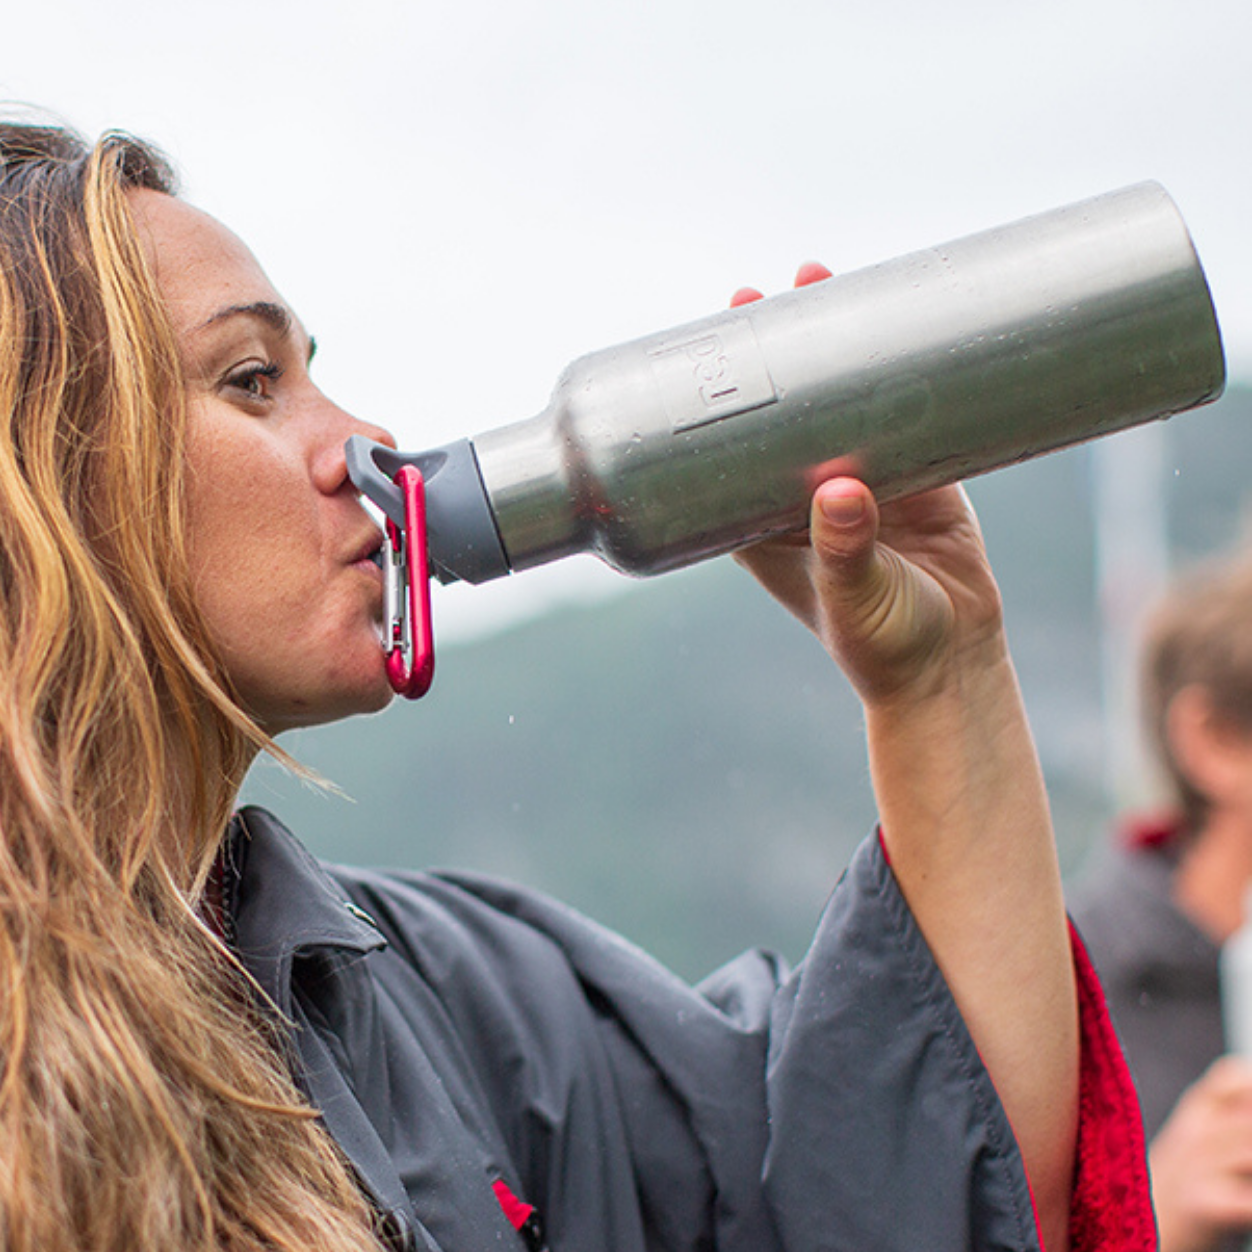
683	763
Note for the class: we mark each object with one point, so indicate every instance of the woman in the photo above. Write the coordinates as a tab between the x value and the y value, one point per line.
186	573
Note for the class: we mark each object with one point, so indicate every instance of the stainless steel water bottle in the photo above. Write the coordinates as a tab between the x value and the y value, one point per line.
920	371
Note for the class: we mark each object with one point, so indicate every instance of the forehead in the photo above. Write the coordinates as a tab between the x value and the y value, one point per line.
200	266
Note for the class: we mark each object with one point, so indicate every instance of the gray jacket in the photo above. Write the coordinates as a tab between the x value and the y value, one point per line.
456	1031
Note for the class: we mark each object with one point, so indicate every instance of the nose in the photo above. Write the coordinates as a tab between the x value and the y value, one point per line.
330	470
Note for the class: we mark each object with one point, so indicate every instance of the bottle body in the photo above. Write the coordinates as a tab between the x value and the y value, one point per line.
925	370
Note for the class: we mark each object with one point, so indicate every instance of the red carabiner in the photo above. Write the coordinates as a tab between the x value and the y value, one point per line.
409	639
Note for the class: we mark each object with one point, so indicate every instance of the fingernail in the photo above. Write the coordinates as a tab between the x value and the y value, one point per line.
843	510
812	272
745	295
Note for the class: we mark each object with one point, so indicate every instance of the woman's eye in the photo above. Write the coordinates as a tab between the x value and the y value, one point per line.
256	379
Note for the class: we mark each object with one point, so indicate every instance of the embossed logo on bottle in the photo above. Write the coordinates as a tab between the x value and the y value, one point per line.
712	376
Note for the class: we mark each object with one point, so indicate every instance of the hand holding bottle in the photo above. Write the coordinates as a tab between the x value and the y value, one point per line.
889	593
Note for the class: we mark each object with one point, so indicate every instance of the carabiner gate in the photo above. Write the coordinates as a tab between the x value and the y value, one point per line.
408	637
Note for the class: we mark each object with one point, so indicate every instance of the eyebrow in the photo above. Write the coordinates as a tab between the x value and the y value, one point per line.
276	316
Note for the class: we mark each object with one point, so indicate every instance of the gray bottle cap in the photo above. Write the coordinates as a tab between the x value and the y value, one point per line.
461	536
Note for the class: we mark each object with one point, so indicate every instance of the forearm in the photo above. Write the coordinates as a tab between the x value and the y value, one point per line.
966	825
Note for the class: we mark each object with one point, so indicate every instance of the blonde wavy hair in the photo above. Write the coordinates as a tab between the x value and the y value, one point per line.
145	1100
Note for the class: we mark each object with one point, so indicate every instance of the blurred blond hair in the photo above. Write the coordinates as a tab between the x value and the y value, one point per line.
1199	635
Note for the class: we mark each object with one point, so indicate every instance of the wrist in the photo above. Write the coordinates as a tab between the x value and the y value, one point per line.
956	757
962	683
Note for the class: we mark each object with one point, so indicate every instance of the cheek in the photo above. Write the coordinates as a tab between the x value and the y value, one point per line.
250	529
295	627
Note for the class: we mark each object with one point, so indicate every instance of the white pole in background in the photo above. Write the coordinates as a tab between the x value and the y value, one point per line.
1129	477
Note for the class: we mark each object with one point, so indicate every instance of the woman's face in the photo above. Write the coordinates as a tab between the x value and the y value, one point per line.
280	545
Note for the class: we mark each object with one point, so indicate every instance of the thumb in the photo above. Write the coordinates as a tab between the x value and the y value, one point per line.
865	614
886	620
843	533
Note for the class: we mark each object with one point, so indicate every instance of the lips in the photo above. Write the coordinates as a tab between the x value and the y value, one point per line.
371	549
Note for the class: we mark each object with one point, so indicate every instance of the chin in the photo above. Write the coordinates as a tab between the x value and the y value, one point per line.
370	693
371	696
379	699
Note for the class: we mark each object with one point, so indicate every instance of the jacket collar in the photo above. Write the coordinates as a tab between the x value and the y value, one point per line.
280	902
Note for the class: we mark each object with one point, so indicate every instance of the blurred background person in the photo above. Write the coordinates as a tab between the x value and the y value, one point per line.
1160	902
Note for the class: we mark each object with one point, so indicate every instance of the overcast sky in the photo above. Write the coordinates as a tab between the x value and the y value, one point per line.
461	197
